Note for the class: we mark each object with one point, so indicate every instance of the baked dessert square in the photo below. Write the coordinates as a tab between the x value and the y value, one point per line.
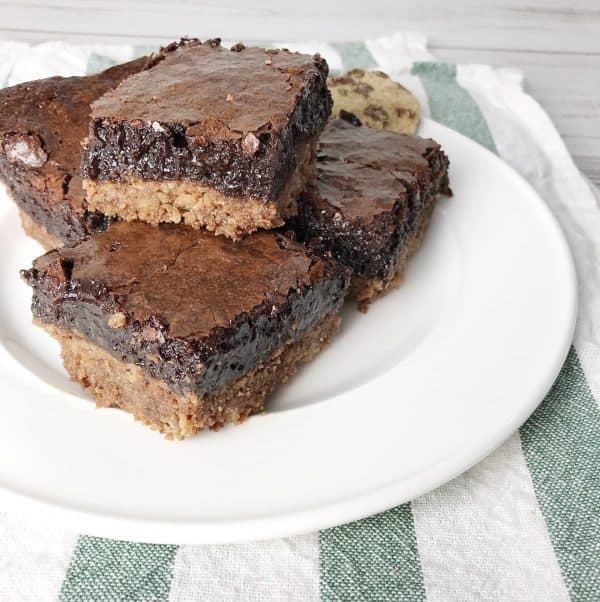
372	202
42	126
208	136
183	329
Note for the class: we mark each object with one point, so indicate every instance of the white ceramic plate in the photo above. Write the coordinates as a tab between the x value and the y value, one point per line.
431	380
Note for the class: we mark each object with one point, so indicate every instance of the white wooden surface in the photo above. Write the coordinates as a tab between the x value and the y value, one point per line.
556	43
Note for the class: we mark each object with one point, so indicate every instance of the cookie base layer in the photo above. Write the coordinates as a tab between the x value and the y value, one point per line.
122	385
365	290
186	201
31	226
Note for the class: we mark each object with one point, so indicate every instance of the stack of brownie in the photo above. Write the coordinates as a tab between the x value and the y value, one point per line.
212	225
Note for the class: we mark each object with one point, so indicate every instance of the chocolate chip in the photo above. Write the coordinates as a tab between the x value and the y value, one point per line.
400	111
350	117
377	113
363	88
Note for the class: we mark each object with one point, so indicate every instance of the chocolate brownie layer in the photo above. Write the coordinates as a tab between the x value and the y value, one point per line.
42	125
192	310
231	120
196	205
373	190
365	288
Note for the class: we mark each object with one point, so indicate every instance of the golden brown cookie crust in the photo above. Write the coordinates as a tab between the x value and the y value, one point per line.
38	232
200	206
123	385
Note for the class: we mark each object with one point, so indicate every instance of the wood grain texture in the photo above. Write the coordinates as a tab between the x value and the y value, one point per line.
556	43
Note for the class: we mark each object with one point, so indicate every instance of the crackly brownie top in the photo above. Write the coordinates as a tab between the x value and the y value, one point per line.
221	93
189	281
43	122
362	172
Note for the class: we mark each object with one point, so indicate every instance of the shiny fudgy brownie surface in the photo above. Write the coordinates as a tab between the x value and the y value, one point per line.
372	185
233	119
192	309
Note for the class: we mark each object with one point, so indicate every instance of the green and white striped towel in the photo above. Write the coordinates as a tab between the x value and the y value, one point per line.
522	525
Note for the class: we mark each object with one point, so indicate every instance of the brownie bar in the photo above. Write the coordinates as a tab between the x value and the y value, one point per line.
184	329
371	205
42	125
208	136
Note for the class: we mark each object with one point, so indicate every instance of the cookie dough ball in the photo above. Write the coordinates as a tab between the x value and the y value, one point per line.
376	100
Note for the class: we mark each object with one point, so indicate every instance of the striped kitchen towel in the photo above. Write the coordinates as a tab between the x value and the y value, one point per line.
522	525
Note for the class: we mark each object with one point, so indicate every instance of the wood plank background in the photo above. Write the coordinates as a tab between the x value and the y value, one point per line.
556	43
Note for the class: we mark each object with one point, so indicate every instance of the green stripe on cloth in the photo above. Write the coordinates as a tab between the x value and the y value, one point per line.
560	443
560	439
451	104
355	55
377	558
104	569
372	559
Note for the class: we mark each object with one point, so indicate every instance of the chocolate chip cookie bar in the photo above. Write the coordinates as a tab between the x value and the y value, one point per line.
42	125
372	202
208	136
185	330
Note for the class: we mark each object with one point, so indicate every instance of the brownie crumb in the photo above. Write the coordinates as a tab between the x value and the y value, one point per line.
250	144
117	320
